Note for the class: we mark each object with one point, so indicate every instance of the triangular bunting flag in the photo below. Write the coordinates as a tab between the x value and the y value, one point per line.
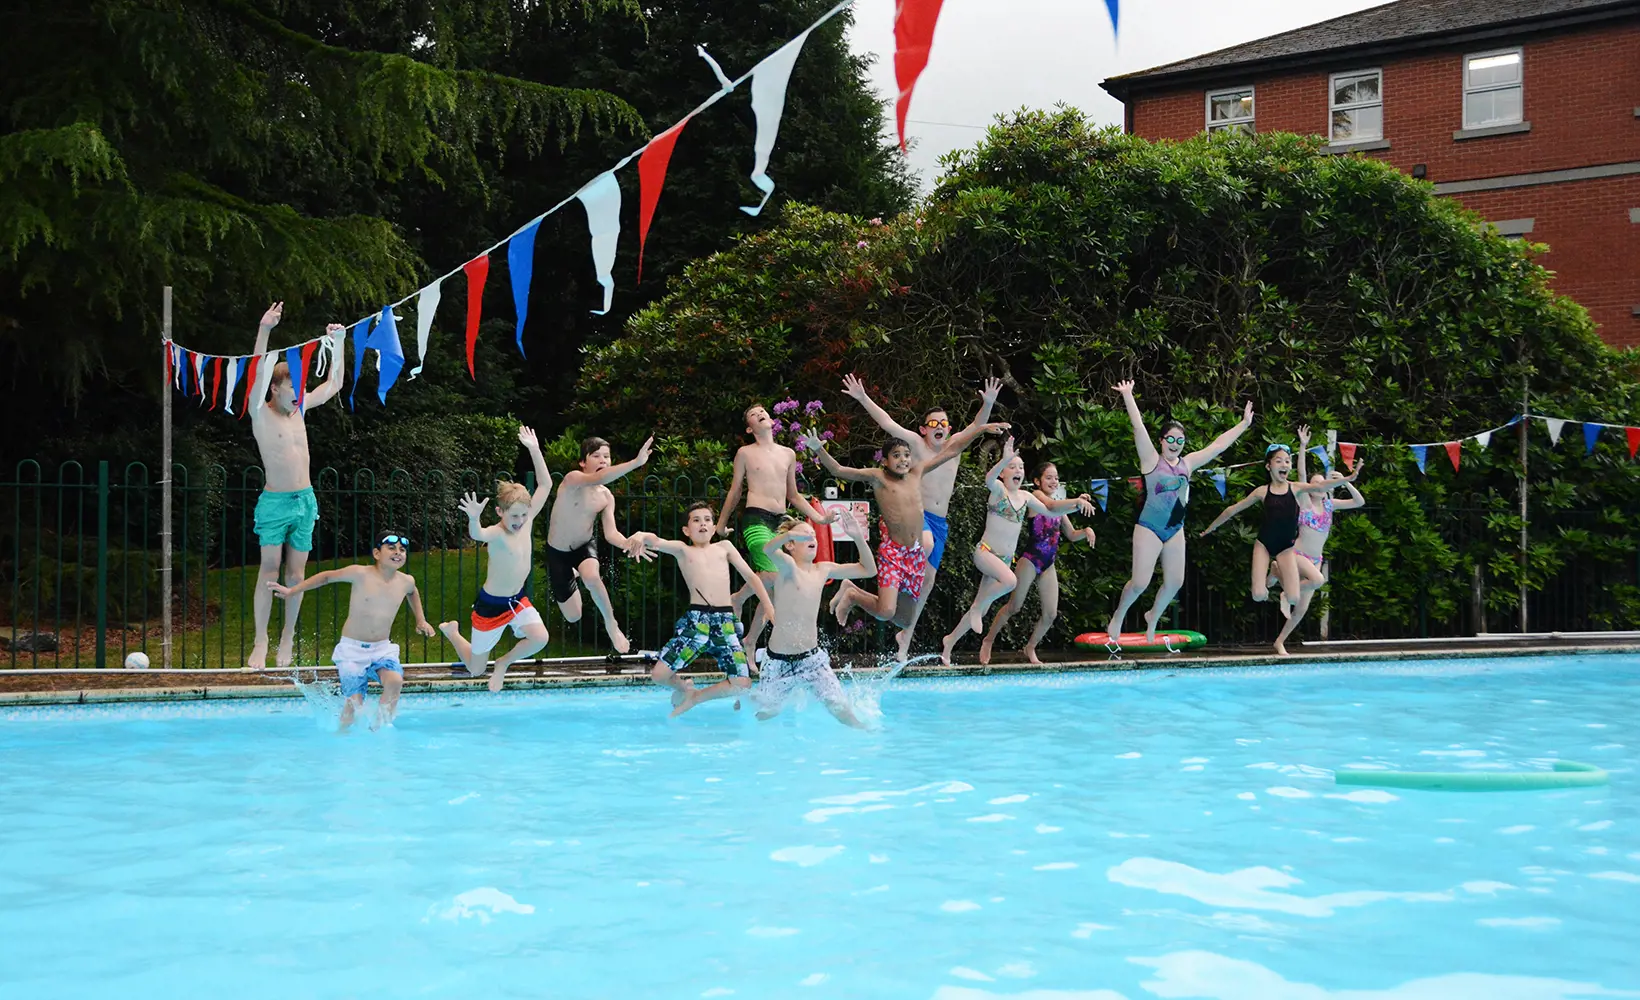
1221	480
1137	484
602	199
170	361
384	340
1591	434
1485	438
1633	434
1555	427
1454	451
174	371
199	376
298	374
360	335
250	384
236	368
1419	451
1346	451
307	360
520	265
477	270
1112	6
426	306
1100	488
914	22
652	178
1332	442
1319	452
216	381
769	79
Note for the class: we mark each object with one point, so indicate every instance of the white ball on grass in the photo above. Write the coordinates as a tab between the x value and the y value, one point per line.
137	661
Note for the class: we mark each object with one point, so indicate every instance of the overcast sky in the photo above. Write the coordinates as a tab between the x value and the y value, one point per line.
994	56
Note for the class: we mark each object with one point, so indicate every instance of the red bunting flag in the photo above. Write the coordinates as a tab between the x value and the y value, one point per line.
476	270
250	384
1454	449
1137	484
1634	439
307	366
652	178
170	364
914	22
216	381
1346	451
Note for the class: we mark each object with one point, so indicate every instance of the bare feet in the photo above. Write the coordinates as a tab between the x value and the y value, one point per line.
976	623
680	693
1150	625
1030	655
985	650
284	656
259	656
1281	648
618	639
1286	609
690	701
451	631
498	679
843	602
949	642
902	643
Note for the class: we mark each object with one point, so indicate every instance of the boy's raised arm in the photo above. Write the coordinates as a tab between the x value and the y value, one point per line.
736	488
795	497
473	507
543	478
575	477
864	567
654	542
856	390
270	319
960	441
337	338
832	466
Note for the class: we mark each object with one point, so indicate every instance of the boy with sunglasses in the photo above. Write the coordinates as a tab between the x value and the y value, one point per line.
366	651
932	437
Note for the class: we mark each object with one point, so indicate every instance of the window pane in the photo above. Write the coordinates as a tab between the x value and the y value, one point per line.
1355	89
1226	107
1492	107
1486	71
1358	124
1246	128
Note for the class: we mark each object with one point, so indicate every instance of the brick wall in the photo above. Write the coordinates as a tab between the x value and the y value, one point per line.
1580	89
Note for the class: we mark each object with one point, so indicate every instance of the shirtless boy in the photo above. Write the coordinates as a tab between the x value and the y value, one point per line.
366	652
897	487
583	499
766	473
501	602
710	626
794	656
933	434
287	510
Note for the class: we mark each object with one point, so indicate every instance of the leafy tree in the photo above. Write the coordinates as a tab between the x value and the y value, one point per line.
1329	290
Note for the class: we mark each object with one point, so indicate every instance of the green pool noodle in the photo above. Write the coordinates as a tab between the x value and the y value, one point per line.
1567	774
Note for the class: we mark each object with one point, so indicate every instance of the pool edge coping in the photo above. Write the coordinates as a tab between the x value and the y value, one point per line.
525	682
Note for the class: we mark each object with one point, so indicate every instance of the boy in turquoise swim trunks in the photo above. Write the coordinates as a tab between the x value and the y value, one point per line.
287	510
766	475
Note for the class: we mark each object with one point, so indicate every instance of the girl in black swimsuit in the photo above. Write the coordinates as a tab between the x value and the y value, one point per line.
1277	534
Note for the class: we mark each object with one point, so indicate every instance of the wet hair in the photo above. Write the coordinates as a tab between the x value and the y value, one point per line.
698	505
590	445
891	443
281	373
1042	467
507	494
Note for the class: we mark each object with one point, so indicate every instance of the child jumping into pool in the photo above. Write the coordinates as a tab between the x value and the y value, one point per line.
366	651
1159	533
1038	564
501	603
583	501
794	657
711	625
766	474
897	487
1273	548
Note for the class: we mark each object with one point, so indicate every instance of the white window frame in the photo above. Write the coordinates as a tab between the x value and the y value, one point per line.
1517	85
1332	91
1230	123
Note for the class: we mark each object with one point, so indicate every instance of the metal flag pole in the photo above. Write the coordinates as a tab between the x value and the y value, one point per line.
165	492
1525	423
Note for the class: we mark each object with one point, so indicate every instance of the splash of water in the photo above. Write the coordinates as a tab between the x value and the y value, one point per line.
323	697
865	692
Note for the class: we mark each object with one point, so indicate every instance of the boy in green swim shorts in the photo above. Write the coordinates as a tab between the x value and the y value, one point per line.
287	510
766	475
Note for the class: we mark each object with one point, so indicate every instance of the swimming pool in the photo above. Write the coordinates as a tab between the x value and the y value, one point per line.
1086	837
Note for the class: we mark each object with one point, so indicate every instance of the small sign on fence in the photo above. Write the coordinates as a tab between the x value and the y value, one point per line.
861	509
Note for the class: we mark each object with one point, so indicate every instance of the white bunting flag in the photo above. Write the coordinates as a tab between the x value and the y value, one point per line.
1485	438
1332	443
602	199
426	306
231	378
199	377
1556	425
769	80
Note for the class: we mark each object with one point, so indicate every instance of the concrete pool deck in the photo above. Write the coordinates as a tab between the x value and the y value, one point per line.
87	686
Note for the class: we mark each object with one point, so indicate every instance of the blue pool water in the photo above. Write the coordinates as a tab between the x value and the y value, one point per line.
1093	837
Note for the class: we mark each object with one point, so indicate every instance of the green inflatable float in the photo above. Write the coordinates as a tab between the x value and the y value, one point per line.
1567	774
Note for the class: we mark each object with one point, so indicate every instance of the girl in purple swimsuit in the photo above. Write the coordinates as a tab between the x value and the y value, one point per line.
1166	472
1036	563
1315	517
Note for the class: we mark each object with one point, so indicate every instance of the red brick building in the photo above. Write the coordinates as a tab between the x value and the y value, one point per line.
1527	111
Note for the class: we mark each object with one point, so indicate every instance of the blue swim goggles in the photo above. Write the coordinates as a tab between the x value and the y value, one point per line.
394	540
1275	448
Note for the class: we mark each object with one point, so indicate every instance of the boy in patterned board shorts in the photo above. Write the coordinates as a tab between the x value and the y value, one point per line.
794	657
501	602
897	487
366	651
710	626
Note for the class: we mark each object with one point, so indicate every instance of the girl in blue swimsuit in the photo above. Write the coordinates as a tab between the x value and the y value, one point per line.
1159	534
